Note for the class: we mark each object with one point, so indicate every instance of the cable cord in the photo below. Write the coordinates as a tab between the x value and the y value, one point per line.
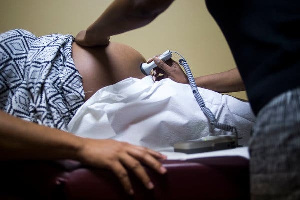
207	112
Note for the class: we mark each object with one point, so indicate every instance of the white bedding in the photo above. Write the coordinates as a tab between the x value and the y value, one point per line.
156	115
240	151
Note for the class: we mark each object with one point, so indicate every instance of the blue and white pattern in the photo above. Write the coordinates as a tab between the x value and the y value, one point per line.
38	78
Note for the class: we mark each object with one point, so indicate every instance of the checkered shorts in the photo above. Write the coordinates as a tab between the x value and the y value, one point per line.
275	149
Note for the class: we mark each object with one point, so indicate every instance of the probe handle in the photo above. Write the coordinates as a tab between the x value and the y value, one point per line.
147	67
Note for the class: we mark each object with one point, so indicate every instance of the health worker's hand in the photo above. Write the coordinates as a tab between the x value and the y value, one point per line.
84	38
119	156
169	69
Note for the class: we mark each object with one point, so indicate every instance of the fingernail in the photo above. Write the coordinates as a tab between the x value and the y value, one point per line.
150	185
163	170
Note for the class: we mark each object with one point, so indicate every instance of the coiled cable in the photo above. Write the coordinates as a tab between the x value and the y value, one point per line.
207	112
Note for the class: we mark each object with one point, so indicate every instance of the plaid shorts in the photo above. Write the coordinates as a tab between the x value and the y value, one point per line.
38	78
275	149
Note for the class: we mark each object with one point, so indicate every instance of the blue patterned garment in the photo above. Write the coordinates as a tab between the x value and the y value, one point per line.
38	78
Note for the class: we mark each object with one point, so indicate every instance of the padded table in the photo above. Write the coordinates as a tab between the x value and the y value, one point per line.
219	177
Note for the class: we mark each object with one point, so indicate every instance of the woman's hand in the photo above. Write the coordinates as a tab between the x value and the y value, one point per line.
23	140
119	156
169	69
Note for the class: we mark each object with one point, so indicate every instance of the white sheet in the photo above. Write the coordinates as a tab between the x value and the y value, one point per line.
156	115
240	151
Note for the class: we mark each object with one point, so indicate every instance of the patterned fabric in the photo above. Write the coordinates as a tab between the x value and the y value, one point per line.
38	78
275	150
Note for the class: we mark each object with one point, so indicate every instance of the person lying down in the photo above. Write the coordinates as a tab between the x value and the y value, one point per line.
157	114
46	80
60	75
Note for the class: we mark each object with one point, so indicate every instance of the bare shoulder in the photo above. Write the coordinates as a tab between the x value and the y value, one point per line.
102	66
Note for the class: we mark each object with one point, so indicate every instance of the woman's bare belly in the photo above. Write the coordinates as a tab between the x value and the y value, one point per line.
103	66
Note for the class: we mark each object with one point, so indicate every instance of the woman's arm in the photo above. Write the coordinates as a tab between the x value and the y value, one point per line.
119	17
228	81
20	139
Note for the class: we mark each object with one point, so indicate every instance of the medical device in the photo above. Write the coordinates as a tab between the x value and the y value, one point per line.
210	142
147	67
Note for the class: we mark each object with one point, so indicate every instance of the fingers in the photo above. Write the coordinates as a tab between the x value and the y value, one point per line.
146	155
158	74
149	60
138	170
164	69
130	157
153	153
162	65
120	156
171	70
122	174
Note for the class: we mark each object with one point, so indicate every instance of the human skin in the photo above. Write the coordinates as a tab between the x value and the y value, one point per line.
227	81
121	16
22	140
101	66
126	15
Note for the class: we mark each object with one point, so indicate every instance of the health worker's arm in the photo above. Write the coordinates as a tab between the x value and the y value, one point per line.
119	17
228	81
21	140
